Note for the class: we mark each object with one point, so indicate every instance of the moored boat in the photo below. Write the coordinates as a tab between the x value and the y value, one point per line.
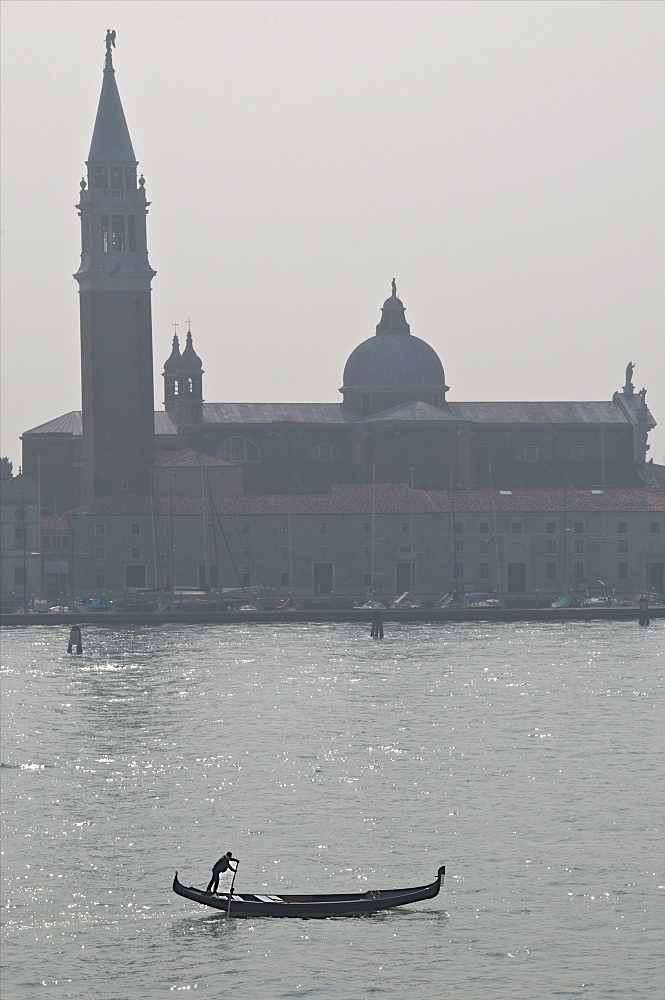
262	904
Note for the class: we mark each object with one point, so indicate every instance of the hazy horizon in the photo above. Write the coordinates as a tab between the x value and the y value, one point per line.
503	161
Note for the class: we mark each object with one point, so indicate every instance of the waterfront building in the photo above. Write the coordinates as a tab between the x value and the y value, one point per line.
520	545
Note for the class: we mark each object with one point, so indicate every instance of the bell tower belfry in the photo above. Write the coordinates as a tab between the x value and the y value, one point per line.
116	323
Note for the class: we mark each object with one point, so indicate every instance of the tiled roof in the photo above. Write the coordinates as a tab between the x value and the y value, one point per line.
602	412
68	423
187	459
268	413
57	523
391	499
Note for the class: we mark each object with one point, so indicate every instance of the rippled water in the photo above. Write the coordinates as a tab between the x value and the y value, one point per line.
528	758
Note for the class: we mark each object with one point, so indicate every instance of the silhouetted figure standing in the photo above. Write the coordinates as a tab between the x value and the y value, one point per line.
219	867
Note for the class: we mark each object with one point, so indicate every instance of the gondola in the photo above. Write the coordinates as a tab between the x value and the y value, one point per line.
290	905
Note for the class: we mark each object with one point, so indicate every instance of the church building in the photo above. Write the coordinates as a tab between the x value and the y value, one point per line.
397	422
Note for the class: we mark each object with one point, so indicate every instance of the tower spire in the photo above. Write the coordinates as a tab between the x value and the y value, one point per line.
110	136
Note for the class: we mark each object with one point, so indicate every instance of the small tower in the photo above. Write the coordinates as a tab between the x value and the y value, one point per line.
116	324
183	384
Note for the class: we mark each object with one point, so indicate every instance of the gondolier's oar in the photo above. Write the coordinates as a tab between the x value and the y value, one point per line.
233	882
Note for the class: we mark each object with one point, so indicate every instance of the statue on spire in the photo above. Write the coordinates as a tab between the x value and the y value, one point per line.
394	288
110	41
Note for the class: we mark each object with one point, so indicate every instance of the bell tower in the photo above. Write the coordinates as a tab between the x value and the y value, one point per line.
116	323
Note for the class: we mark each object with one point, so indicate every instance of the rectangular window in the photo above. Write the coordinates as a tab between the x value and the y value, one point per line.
124	484
550	570
459	570
459	545
323	551
577	453
406	527
136	552
65	542
459	528
516	527
284	551
622	545
578	570
283	579
105	234
484	545
131	233
367	551
404	550
483	571
484	453
99	581
550	527
550	544
46	542
578	527
578	545
622	527
484	528
19	538
654	527
116	178
323	527
367	527
623	571
136	528
367	579
284	528
245	528
19	574
100	554
100	529
118	233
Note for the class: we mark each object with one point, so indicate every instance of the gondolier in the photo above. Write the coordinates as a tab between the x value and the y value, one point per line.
219	867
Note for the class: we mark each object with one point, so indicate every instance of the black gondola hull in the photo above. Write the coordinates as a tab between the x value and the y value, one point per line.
292	905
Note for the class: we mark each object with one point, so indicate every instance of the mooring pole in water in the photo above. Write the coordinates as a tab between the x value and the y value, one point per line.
644	611
377	626
75	639
233	882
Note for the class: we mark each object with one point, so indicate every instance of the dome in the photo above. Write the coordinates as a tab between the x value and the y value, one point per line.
393	358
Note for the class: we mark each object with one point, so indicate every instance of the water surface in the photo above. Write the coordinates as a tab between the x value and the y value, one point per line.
528	758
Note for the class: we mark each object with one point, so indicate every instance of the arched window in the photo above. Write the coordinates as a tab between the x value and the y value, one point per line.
324	453
238	449
531	453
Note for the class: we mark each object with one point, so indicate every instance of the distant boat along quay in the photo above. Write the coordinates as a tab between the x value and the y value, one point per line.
323	616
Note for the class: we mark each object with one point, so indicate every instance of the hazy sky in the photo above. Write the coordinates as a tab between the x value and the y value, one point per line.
503	161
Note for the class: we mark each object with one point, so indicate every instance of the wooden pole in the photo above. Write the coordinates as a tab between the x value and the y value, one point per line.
233	882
